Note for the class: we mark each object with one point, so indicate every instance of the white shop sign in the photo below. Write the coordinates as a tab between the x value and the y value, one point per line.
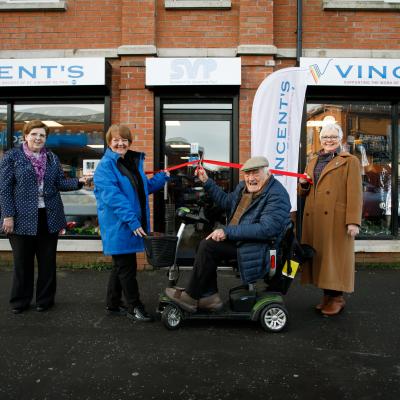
352	71
52	71
193	71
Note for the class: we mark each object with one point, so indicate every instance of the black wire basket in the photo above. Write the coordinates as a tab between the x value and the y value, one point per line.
160	249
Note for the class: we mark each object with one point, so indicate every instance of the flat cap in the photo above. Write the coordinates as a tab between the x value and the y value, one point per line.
254	163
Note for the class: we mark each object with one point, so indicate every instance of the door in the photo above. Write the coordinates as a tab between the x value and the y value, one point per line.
189	131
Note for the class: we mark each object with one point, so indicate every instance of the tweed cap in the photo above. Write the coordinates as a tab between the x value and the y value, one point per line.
254	163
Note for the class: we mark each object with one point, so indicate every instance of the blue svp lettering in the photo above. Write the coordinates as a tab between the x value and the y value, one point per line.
281	131
40	71
184	67
369	71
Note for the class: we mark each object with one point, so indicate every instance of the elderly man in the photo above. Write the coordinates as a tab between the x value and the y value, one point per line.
258	210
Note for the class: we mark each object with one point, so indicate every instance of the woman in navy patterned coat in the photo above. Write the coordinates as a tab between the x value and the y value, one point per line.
32	214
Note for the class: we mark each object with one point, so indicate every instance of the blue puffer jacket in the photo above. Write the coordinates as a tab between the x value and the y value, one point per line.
118	204
266	218
19	192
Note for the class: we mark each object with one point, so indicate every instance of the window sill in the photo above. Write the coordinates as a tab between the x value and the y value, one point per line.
32	6
192	4
380	5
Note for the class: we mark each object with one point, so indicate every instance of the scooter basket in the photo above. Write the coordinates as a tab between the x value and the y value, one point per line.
160	249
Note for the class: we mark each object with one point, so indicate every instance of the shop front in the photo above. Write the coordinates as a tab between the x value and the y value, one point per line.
72	96
363	96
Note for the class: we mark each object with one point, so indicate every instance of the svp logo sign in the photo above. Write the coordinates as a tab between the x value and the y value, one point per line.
353	71
187	69
193	71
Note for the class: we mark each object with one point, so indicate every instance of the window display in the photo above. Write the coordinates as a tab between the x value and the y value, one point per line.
367	135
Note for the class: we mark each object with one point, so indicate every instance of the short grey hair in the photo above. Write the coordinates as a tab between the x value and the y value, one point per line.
331	127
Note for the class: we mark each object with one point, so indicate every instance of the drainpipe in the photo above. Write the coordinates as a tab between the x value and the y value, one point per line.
299	39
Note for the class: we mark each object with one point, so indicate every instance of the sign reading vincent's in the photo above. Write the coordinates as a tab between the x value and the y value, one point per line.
52	71
352	71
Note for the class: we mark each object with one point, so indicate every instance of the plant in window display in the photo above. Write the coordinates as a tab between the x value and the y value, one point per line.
81	226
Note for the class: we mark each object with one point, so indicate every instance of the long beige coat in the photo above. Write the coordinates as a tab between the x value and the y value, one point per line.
331	205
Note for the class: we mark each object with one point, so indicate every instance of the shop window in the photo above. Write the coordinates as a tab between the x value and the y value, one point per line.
33	5
193	4
77	137
368	135
361	5
3	128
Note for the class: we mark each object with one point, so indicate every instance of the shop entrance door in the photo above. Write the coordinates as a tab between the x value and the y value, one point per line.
189	131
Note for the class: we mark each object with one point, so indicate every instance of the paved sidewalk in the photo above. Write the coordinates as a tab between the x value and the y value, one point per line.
75	351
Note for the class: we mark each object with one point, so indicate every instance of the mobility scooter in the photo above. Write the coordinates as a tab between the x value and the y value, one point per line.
246	302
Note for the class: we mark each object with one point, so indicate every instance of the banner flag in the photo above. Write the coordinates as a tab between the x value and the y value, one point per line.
276	123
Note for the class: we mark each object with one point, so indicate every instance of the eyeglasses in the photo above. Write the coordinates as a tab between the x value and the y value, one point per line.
325	138
37	135
116	141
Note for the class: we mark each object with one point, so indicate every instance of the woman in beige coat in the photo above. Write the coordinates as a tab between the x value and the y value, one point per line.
331	220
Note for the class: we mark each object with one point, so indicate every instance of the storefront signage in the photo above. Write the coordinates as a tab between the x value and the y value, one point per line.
352	71
52	71
193	71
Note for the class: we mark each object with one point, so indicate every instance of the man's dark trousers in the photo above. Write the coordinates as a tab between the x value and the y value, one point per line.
203	280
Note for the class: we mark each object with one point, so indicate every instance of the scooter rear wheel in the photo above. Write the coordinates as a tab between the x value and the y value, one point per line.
172	317
274	317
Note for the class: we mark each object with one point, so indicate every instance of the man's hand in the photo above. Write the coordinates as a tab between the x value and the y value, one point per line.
201	173
353	230
8	225
218	235
139	232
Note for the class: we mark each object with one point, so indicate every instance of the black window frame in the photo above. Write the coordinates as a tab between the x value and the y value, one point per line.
192	95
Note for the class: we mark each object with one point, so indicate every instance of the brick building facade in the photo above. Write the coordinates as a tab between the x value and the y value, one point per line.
266	35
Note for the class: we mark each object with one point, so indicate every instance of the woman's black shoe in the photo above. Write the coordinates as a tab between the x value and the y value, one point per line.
40	308
19	310
120	310
138	313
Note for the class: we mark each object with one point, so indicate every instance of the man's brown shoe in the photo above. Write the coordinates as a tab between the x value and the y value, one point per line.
182	298
211	303
324	302
335	305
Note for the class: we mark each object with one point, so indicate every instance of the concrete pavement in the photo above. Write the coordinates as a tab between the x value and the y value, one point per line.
75	351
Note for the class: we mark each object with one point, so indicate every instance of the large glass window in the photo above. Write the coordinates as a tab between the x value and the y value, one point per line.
77	137
3	128
367	129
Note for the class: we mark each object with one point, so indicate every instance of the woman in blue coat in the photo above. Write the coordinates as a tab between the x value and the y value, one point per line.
32	214
122	190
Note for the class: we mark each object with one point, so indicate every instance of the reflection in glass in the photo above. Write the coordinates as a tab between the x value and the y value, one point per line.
77	137
367	135
3	128
209	140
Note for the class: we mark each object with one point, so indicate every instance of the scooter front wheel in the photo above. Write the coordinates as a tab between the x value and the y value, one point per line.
274	317
172	317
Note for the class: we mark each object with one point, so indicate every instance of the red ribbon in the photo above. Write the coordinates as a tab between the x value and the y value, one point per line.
231	165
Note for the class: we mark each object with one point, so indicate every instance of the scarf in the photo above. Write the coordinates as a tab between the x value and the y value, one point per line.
38	163
322	162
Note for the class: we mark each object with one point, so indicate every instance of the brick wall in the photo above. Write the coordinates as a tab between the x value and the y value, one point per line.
334	29
85	24
197	28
